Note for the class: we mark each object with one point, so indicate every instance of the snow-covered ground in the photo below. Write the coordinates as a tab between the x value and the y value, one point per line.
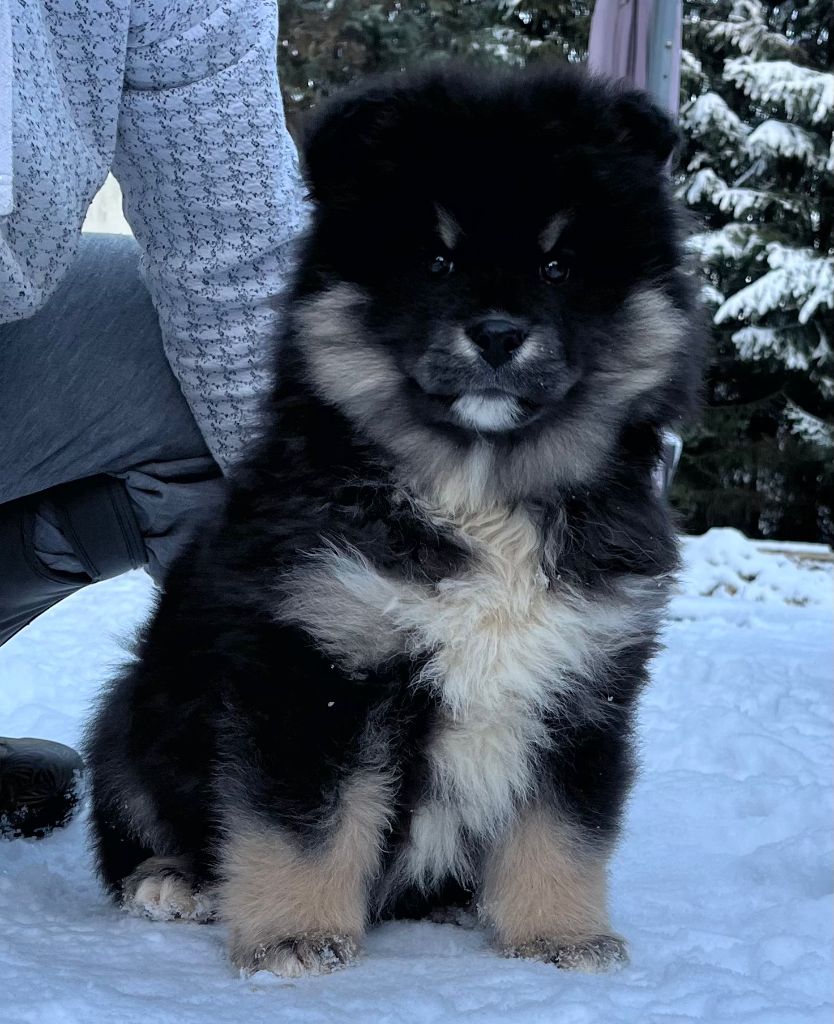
722	884
105	212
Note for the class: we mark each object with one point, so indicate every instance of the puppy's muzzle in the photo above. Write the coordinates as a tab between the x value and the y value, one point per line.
497	338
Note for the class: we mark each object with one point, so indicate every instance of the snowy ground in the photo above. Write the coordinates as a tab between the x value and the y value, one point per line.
722	883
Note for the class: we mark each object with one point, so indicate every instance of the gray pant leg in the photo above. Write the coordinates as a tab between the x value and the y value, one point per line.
85	388
169	499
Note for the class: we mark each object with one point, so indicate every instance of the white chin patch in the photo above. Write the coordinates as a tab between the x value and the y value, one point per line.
487	412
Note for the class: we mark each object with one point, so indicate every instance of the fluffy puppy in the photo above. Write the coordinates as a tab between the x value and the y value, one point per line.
400	670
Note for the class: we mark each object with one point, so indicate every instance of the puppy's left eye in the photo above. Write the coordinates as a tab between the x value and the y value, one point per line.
441	266
554	271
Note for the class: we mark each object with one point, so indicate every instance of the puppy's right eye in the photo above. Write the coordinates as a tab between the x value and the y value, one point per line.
441	266
554	271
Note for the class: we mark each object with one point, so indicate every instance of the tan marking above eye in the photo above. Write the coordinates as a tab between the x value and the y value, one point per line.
550	233
447	227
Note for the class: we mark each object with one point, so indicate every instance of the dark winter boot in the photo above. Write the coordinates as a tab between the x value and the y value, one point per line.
40	785
96	517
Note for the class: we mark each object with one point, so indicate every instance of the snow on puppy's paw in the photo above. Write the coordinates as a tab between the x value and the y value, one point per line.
297	957
593	954
162	889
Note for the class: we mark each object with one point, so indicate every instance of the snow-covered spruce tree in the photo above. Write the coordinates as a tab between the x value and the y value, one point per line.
326	44
758	169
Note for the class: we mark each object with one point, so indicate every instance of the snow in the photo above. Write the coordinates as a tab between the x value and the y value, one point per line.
809	427
777	138
798	278
788	87
710	295
692	71
747	30
722	883
708	114
724	562
733	243
105	212
503	43
707	186
753	343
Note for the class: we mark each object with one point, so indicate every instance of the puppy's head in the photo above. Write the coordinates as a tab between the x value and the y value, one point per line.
492	274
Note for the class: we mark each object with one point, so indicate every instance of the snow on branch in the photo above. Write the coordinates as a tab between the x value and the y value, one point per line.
801	93
756	343
747	31
692	71
798	278
710	113
733	243
810	428
710	295
707	186
778	138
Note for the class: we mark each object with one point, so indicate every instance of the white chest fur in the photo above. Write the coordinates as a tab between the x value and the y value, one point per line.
499	648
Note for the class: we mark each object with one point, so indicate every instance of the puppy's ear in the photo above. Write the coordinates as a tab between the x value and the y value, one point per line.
643	127
350	146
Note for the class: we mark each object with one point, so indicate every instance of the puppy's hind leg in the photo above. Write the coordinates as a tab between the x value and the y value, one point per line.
149	808
137	862
298	905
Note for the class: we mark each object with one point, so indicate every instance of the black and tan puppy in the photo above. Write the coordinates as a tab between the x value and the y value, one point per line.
401	668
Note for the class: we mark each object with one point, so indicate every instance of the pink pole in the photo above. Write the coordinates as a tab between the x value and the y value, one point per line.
640	41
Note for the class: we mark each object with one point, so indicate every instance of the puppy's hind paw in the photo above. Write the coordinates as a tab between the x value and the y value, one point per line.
593	954
162	889
298	957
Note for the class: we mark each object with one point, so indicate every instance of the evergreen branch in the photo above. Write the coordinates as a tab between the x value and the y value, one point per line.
801	93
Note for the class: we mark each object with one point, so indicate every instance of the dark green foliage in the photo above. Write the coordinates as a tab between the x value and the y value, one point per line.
325	44
762	457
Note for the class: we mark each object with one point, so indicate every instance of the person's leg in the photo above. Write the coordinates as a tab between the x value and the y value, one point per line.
86	387
103	467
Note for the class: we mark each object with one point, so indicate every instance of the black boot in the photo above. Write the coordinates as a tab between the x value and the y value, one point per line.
96	517
40	785
39	779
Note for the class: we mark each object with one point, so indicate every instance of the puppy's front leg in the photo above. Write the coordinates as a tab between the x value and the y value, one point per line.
298	905
544	893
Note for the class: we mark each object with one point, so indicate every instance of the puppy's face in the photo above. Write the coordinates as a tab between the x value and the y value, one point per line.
497	355
507	306
477	312
493	263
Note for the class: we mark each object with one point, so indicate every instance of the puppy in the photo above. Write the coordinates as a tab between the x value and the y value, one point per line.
400	670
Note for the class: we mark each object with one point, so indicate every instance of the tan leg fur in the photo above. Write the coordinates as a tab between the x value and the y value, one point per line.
544	893
296	910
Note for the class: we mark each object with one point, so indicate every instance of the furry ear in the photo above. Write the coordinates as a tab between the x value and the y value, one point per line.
644	128
350	145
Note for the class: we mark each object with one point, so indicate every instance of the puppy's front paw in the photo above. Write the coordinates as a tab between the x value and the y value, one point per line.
297	957
594	954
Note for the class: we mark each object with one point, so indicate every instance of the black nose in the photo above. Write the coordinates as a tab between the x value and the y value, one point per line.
496	338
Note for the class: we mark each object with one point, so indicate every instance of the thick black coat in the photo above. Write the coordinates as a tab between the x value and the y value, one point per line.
225	705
